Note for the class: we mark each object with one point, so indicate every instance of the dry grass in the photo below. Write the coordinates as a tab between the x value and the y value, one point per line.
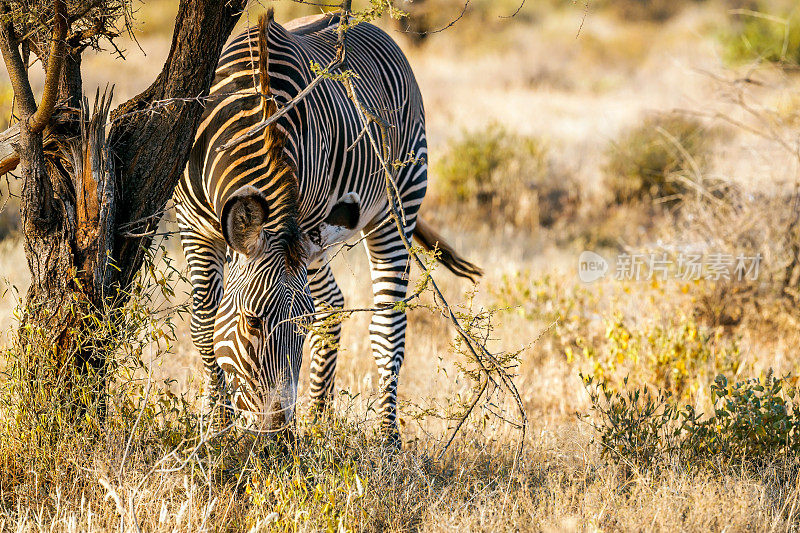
578	95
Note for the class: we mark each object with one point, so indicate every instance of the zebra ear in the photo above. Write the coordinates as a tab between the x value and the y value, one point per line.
243	216
340	222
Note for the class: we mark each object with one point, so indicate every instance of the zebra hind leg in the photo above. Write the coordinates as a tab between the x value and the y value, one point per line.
325	335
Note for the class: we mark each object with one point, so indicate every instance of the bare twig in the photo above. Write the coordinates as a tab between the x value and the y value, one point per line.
515	13
449	24
583	18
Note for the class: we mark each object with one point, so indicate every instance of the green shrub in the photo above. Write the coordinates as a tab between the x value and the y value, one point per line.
756	420
766	34
480	163
752	423
634	427
505	176
658	159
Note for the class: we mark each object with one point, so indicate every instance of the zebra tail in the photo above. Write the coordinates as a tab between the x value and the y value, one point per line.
430	239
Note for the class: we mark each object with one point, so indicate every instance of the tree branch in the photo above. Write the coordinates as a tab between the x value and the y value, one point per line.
55	62
62	118
9	159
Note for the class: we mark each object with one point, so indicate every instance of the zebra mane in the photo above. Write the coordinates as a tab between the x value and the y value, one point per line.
283	178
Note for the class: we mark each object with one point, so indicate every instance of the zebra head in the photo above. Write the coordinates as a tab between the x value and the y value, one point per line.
266	305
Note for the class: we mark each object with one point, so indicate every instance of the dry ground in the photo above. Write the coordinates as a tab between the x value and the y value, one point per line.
578	91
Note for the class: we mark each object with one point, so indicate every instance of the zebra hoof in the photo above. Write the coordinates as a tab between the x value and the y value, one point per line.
317	409
320	414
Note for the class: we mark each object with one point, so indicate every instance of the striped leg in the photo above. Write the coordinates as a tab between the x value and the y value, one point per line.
389	267
387	330
325	335
205	259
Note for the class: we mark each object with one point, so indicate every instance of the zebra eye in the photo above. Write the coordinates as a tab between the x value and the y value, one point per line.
253	322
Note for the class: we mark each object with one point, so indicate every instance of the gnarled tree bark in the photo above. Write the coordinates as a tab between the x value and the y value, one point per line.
154	147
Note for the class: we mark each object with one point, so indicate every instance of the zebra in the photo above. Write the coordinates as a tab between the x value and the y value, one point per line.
268	209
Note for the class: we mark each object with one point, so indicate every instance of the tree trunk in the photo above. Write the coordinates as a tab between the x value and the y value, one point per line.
67	228
154	147
47	247
89	206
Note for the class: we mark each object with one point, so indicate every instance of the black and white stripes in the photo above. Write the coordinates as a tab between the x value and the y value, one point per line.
272	203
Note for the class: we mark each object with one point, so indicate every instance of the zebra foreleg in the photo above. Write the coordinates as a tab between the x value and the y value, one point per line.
325	335
205	273
389	267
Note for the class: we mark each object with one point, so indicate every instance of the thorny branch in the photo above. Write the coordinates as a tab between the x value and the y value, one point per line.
490	366
516	12
449	24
